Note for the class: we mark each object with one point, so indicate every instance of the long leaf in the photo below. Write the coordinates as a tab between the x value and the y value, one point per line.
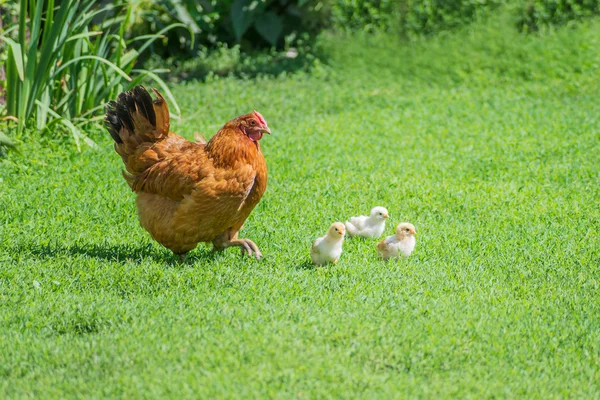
102	60
84	35
12	86
49	20
51	51
17	56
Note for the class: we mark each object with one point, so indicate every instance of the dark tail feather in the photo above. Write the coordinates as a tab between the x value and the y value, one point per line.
119	113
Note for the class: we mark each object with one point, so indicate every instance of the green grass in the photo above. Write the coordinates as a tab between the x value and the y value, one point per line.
486	140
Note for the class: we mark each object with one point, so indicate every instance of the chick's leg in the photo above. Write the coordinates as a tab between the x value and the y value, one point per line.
229	239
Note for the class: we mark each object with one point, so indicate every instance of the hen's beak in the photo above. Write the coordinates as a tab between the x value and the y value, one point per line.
266	129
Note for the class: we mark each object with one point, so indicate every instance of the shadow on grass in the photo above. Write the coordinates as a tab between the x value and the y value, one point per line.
120	253
306	265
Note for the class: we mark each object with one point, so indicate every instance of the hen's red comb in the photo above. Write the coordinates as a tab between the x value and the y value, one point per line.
260	118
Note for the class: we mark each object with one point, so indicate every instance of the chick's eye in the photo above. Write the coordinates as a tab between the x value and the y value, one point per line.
336	229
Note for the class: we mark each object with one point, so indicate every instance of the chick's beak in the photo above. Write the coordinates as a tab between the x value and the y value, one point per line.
386	216
413	232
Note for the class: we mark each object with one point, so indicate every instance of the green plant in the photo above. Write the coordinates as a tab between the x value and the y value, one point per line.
407	17
534	14
63	69
250	24
365	15
8	16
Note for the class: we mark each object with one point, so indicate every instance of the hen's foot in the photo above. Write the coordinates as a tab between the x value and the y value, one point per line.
247	247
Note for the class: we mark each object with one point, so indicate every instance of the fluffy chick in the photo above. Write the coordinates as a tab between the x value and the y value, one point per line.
402	242
369	227
328	248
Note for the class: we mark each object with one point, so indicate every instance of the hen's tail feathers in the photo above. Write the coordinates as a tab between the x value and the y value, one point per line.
136	114
352	230
136	122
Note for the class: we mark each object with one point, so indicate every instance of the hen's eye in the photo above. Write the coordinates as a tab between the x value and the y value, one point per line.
252	122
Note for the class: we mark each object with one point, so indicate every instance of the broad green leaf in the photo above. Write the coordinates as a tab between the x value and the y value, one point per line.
241	17
269	26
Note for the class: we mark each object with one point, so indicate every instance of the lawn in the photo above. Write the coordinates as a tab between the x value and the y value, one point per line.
486	140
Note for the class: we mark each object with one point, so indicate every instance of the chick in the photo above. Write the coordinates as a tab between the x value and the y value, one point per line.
328	248
402	242
369	227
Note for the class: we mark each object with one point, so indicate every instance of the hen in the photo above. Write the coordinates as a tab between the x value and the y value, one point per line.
189	192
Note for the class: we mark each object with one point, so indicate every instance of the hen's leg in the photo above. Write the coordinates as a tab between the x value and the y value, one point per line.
229	239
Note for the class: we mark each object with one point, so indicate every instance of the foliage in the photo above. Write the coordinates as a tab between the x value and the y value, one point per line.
483	138
425	17
408	17
5	143
365	15
63	68
251	24
8	16
539	13
224	60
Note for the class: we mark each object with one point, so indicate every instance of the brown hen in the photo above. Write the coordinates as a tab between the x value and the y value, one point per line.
189	192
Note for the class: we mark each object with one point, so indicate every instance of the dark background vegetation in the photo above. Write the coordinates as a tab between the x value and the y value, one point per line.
189	39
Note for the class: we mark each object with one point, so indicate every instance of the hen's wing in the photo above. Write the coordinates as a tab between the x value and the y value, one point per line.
181	167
